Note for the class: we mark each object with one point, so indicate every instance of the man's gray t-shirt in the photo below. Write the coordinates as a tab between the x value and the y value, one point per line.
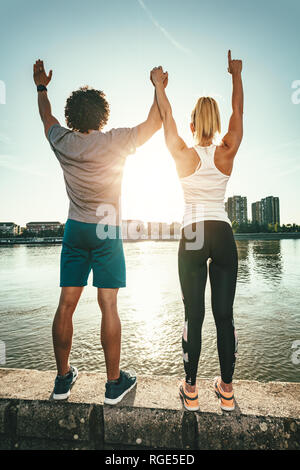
93	166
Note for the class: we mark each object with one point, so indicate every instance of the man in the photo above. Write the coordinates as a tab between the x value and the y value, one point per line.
92	162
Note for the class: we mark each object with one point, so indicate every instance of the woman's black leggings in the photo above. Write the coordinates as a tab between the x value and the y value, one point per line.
219	245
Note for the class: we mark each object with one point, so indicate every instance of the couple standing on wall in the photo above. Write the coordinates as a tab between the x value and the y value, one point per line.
92	162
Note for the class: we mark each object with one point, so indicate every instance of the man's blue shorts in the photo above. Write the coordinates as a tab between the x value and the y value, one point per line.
83	250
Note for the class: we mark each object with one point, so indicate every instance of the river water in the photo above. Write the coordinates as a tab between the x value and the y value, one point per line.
266	309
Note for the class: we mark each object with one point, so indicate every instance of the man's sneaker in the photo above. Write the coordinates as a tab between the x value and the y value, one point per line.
63	384
115	391
226	398
189	399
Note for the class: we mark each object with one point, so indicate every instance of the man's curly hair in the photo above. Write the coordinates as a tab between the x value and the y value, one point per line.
86	109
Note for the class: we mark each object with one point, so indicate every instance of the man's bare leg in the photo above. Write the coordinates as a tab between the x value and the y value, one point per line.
110	331
62	328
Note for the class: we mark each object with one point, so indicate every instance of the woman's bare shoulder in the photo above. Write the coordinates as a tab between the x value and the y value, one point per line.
223	159
189	162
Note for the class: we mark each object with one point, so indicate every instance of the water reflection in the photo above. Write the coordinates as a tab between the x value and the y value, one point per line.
243	248
268	260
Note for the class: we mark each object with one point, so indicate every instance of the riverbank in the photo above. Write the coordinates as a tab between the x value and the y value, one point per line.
267	236
237	236
267	415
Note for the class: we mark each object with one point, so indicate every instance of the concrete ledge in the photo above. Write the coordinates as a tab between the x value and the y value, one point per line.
267	415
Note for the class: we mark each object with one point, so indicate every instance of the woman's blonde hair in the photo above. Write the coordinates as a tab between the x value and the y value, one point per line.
206	119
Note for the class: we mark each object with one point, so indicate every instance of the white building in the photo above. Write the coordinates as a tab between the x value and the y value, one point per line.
9	229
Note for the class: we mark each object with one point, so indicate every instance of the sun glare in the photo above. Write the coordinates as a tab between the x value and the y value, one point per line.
151	189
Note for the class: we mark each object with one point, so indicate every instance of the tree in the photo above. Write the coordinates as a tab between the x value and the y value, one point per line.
235	226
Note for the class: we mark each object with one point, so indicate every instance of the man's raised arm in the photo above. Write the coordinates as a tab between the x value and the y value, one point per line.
153	122
41	80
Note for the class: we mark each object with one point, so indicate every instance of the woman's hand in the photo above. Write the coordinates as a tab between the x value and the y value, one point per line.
157	75
234	66
39	74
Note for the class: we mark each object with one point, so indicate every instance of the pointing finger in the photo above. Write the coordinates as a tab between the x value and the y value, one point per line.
229	57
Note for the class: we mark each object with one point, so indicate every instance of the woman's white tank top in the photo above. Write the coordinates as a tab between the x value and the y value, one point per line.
204	190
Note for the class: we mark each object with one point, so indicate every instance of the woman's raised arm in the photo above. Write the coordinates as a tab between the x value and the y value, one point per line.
174	143
234	135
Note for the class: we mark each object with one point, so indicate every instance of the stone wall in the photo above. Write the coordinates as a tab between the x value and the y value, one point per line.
267	415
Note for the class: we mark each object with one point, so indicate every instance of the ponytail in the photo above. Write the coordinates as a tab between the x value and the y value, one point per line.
206	119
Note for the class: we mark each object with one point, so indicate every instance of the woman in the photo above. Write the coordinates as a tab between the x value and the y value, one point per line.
204	171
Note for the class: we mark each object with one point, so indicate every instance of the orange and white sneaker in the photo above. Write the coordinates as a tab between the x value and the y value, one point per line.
190	400
226	398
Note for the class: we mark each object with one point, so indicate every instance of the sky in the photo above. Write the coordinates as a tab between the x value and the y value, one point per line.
113	45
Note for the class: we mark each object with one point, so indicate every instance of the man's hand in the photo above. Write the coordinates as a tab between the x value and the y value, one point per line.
157	75
234	66
40	78
39	74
